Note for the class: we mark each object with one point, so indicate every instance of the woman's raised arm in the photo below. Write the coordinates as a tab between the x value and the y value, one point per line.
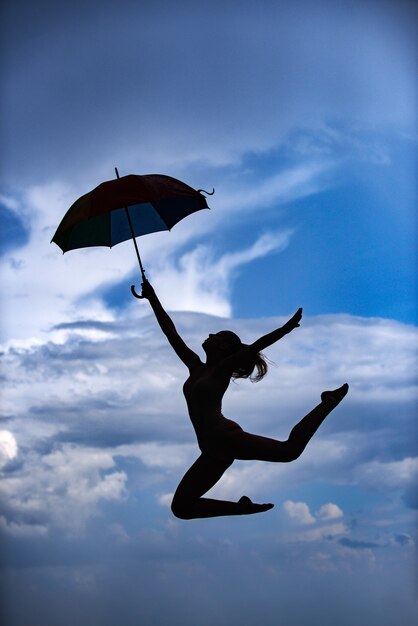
231	362
275	335
189	358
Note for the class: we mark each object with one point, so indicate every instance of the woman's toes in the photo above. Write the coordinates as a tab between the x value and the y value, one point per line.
249	507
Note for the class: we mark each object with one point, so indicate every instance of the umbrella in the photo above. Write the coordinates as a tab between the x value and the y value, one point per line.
125	208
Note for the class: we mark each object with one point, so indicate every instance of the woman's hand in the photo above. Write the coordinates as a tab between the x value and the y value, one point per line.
147	290
294	321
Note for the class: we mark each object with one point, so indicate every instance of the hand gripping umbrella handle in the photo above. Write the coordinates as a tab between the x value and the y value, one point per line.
136	294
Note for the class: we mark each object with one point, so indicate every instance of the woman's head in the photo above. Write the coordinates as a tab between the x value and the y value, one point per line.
226	343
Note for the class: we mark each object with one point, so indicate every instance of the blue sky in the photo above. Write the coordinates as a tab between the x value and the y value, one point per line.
302	116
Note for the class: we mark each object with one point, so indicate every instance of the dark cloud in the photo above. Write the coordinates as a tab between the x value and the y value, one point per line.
91	324
355	544
403	539
410	496
218	84
193	574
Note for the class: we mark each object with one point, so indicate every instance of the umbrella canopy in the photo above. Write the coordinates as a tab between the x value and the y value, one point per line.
124	208
153	203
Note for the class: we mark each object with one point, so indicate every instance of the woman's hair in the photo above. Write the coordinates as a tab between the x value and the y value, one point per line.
250	361
249	364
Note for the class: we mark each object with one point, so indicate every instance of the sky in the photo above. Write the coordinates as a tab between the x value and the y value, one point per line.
302	117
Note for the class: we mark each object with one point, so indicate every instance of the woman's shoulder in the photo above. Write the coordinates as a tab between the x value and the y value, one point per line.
207	374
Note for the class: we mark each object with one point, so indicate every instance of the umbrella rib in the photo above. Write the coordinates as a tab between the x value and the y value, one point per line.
160	216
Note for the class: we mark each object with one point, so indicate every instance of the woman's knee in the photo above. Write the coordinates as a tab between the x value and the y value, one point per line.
290	451
181	508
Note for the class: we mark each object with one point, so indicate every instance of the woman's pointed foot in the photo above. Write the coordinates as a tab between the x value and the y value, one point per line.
248	507
335	396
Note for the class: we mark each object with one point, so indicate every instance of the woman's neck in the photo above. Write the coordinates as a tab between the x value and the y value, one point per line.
213	358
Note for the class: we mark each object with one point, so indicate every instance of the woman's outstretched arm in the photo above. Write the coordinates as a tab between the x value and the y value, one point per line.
267	340
229	363
189	358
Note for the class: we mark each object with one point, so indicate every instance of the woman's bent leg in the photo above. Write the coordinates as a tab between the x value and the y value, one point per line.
246	446
202	476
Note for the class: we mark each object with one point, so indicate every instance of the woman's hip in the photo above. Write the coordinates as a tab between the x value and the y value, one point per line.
215	439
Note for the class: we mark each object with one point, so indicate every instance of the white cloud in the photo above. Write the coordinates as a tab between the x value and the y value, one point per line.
165	499
8	447
329	511
390	474
322	532
43	285
10	202
158	455
204	281
292	183
61	489
321	525
298	512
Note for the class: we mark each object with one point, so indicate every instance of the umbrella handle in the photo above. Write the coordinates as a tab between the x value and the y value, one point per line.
135	294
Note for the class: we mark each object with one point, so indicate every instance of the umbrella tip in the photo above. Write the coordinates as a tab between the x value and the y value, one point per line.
117	172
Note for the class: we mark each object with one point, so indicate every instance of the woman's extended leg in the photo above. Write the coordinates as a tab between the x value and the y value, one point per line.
202	476
209	468
246	446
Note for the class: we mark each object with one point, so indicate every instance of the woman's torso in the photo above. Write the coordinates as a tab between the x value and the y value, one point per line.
204	390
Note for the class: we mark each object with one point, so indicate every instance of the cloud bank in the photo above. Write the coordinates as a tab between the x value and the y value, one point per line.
75	411
90	461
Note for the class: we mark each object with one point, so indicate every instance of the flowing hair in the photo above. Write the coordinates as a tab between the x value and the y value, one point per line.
250	360
250	363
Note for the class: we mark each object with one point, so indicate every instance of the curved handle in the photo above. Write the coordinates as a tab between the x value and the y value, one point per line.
209	193
135	294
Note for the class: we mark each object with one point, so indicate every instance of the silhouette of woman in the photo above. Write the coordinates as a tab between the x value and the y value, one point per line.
221	440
